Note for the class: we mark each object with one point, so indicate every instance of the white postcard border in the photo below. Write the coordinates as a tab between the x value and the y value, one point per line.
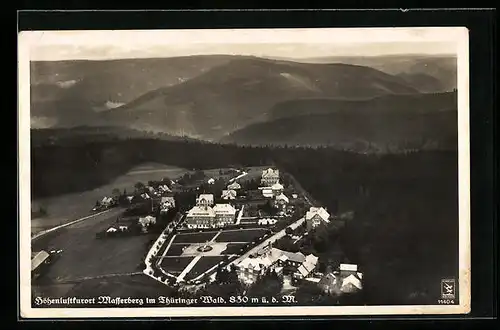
417	34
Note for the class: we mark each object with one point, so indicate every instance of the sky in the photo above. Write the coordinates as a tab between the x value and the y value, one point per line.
307	43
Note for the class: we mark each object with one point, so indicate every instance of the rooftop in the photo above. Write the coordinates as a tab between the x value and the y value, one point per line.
201	211
37	258
318	211
224	208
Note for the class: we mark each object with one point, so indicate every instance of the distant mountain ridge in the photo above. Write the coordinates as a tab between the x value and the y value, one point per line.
240	92
225	97
440	71
72	93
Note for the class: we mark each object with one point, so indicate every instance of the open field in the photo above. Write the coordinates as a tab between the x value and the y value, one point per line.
215	173
254	172
85	256
194	237
175	265
68	207
244	235
204	264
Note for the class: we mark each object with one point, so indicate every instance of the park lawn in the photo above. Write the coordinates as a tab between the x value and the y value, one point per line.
203	265
65	208
176	249
195	237
215	173
235	248
175	265
241	235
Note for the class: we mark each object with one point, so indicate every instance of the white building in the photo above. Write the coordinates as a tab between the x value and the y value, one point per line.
166	203
266	260
205	200
107	201
228	194
277	189
316	216
351	283
267	222
267	192
251	269
164	188
307	267
200	217
270	177
224	214
211	181
281	200
147	221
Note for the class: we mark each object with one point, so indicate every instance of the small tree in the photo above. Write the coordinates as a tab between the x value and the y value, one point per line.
139	186
42	211
288	231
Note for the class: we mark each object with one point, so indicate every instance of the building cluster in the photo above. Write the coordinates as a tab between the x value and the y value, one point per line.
272	189
346	279
281	262
207	214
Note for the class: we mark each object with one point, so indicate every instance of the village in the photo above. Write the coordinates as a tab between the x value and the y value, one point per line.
250	224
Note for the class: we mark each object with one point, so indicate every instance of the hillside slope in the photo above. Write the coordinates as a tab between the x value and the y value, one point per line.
410	104
385	124
240	92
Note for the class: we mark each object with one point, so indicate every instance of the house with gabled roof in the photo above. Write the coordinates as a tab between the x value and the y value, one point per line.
163	188
316	216
277	189
329	283
269	177
107	201
167	203
225	214
281	201
228	194
205	200
351	283
307	267
347	279
200	217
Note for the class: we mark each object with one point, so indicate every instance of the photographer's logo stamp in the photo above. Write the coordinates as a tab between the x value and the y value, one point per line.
448	288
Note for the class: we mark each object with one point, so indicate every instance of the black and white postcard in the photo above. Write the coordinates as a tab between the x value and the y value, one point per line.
250	172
